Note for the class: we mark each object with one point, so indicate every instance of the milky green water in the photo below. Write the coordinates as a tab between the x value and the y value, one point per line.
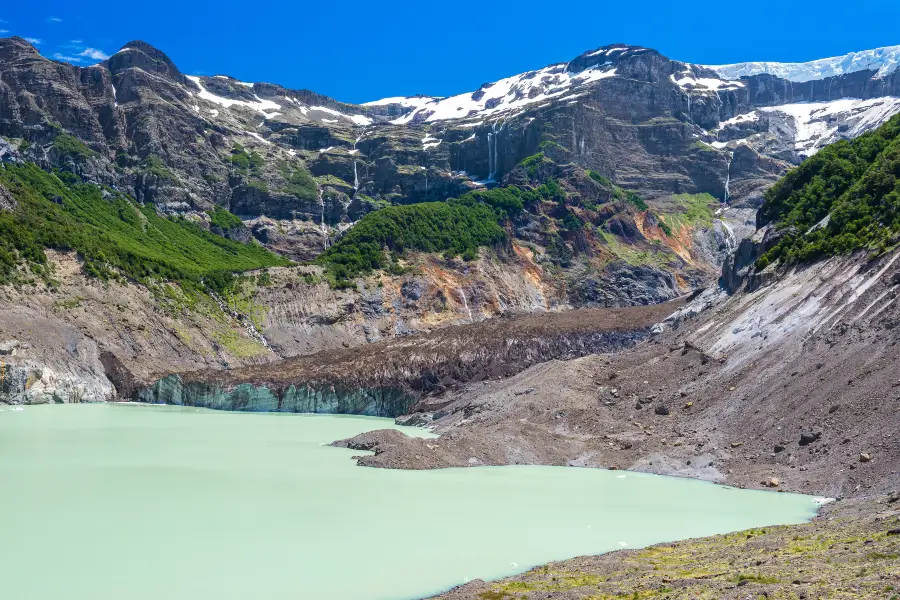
137	503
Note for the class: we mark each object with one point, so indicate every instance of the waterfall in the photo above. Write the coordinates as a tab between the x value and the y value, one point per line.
322	225
690	118
490	176
730	238
465	304
728	162
355	171
496	143
492	140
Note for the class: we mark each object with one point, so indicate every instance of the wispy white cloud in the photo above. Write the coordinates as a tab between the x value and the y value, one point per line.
94	54
76	41
71	59
34	41
3	31
54	19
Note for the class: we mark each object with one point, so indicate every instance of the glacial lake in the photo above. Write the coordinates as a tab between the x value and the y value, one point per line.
143	503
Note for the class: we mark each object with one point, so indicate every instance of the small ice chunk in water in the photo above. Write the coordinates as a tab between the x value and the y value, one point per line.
17	409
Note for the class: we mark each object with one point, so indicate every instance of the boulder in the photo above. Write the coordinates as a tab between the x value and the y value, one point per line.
808	438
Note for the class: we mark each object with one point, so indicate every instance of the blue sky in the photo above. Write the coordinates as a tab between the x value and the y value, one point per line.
358	51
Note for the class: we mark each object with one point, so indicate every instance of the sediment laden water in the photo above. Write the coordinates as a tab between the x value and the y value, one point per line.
116	502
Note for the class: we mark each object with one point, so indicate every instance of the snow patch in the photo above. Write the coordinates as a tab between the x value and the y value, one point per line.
430	142
882	60
404	101
507	94
357	119
819	123
704	84
260	105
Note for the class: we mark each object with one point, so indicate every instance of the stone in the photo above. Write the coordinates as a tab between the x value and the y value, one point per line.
415	420
779	448
808	438
737	444
772	482
661	409
865	457
7	202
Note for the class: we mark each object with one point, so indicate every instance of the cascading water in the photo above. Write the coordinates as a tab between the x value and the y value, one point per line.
465	304
730	238
728	162
690	118
492	141
496	143
322	226
355	170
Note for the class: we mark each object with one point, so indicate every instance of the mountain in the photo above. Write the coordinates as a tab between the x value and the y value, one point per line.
619	178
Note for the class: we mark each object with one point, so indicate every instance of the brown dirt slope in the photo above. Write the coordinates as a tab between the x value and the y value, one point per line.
429	363
799	382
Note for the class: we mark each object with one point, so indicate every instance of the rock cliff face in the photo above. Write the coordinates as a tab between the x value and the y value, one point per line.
652	125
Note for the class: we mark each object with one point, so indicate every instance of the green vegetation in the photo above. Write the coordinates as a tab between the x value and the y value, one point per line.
631	197
71	146
223	218
454	227
855	184
696	211
302	185
847	557
702	147
246	163
605	181
113	236
665	228
634	257
531	163
155	166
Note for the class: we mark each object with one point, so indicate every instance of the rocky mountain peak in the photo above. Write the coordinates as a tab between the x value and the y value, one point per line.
605	55
144	56
13	48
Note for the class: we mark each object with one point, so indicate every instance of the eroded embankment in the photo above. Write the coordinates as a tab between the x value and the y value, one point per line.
387	378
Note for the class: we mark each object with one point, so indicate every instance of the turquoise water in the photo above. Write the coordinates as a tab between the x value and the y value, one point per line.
132	502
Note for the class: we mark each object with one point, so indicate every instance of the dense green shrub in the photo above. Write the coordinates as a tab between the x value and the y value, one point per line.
114	236
856	184
600	178
223	218
302	185
70	145
455	227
